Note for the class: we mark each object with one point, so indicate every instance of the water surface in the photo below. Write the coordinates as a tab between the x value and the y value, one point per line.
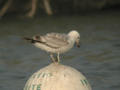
98	58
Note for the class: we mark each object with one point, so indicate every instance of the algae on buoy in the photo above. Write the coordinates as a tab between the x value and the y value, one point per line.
57	77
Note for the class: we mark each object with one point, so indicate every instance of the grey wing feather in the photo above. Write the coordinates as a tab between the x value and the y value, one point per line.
55	39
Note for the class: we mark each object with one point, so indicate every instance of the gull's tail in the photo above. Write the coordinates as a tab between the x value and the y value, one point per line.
31	40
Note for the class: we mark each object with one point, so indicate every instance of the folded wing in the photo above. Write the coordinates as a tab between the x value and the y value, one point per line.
55	40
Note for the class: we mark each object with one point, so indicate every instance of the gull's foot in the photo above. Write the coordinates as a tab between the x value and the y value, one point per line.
57	60
58	57
54	60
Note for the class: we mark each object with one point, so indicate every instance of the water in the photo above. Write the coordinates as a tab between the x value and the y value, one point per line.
98	58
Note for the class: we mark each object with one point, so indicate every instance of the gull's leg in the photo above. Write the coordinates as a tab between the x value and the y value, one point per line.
58	57
52	57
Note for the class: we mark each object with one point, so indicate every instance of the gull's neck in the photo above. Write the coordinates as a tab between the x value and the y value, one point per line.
72	39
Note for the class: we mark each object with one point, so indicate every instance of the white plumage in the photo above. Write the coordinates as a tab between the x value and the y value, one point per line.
56	43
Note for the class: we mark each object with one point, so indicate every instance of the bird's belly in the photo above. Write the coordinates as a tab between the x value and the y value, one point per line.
53	50
63	49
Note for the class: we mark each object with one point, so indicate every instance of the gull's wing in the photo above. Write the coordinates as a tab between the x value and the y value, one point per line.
55	40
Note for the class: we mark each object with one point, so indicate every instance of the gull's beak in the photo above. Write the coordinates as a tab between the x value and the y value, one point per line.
78	43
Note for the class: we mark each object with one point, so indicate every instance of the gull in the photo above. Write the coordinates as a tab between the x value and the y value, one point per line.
56	43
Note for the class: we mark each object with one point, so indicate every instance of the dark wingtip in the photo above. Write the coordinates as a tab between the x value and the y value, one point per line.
29	39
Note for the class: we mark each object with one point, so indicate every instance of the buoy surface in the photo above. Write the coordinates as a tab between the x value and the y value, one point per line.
57	77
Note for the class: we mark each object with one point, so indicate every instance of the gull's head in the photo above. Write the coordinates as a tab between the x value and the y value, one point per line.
75	36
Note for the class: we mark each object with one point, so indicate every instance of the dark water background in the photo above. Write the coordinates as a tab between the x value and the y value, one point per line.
98	58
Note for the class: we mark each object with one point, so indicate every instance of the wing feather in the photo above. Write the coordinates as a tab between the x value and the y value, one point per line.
55	40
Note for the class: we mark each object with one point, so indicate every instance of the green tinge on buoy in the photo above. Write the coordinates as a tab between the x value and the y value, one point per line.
57	77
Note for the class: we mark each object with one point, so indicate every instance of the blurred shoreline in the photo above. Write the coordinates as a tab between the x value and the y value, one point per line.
33	8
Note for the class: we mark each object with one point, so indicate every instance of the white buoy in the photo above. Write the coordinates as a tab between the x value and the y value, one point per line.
57	77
